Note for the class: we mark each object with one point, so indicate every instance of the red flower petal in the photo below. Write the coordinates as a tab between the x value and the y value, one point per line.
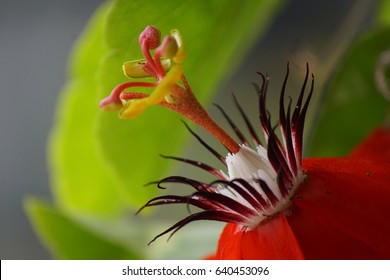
339	212
273	240
344	210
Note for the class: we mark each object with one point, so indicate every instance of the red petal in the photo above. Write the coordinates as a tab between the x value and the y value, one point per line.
273	240
344	210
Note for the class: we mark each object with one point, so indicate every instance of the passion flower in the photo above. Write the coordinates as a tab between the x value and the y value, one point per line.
276	205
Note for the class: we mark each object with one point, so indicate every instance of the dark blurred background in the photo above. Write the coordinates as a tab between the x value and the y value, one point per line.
35	40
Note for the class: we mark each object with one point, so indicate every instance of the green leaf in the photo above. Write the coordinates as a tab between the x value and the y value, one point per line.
383	15
352	105
138	232
69	239
217	35
82	237
204	234
80	180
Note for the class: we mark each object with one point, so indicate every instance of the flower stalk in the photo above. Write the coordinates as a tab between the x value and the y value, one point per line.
171	89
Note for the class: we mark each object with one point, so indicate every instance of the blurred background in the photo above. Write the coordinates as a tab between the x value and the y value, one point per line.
35	40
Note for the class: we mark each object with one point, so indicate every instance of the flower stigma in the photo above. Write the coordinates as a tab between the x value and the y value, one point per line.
261	178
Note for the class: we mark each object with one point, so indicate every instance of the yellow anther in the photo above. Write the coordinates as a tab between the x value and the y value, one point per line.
180	54
171	48
134	68
111	107
135	107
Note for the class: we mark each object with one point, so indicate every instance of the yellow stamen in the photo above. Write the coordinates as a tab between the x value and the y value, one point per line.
170	48
134	68
180	54
135	107
111	107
